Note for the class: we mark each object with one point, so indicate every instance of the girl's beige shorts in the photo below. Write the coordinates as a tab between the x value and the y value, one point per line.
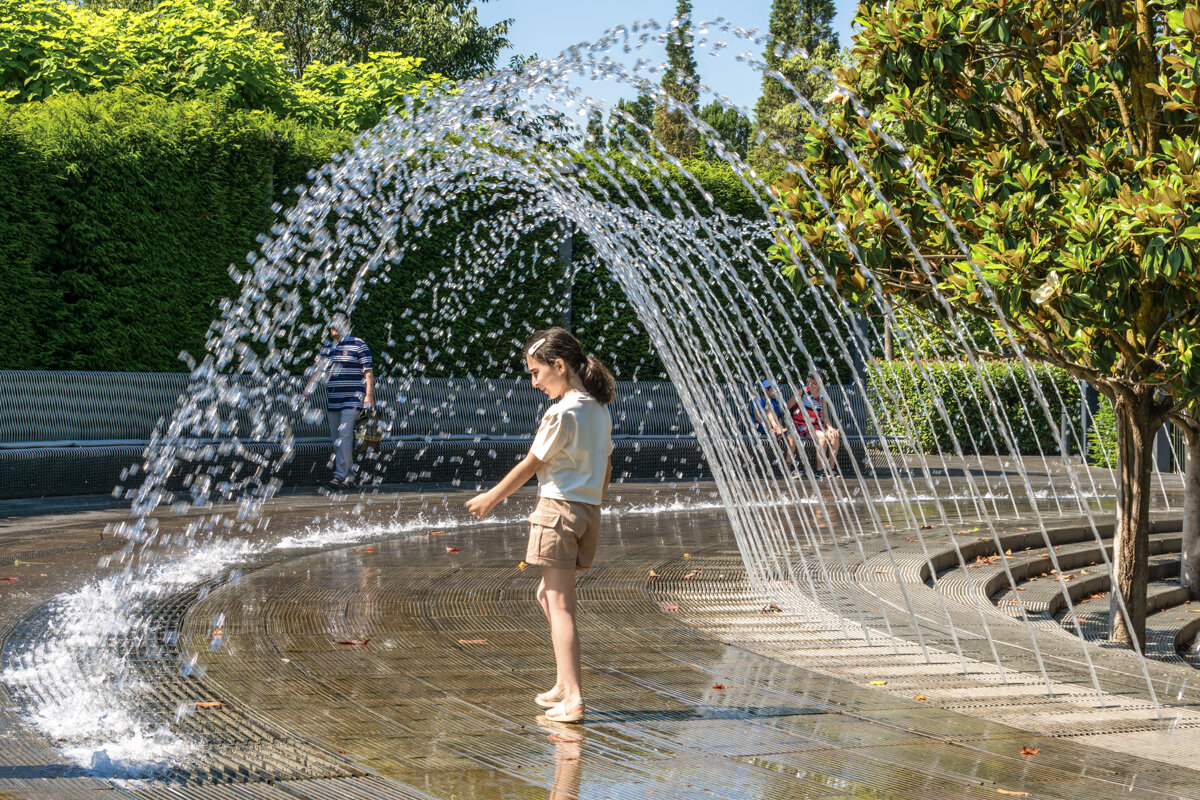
563	533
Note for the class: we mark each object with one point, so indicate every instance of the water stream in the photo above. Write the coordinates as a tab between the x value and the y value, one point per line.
718	313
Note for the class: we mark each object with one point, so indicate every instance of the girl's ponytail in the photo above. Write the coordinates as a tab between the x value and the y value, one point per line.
551	343
598	381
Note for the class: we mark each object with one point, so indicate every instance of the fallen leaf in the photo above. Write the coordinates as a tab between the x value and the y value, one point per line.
451	549
355	642
562	737
687	555
437	533
912	539
771	608
879	683
1014	794
522	565
654	574
208	704
365	550
472	641
920	697
1192	611
1020	588
926	527
670	607
720	687
1030	751
881	572
690	575
7	578
1008	552
1080	619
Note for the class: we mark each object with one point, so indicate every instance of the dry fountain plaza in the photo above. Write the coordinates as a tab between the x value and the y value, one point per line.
386	646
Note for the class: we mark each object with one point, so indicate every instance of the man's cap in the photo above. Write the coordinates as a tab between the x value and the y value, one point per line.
768	383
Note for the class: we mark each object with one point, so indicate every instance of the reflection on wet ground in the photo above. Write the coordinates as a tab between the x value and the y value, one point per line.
438	701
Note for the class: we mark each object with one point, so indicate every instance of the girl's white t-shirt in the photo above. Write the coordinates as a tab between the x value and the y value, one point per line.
575	441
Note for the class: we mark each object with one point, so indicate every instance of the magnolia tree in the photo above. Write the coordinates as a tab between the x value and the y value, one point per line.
1049	186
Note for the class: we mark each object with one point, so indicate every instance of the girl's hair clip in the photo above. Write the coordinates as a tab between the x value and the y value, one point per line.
533	348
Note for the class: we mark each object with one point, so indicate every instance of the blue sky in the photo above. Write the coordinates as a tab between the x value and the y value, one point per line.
546	27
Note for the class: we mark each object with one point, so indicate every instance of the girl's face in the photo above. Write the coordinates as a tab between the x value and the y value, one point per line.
813	388
549	378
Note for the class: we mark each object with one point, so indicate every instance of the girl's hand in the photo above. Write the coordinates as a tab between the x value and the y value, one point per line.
481	505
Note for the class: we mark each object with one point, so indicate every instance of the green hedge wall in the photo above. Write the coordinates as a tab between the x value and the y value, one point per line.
952	383
1102	435
121	213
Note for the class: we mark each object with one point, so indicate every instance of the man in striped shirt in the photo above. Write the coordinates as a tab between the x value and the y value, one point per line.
345	363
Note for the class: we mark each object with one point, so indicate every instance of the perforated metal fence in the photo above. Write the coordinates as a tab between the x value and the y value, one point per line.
64	433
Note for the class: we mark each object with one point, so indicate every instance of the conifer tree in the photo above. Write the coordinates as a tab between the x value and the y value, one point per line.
671	128
794	25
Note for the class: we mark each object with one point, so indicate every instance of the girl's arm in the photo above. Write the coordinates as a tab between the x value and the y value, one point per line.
481	505
607	478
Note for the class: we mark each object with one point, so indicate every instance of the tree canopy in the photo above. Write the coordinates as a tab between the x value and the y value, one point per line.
1058	141
184	49
445	34
733	128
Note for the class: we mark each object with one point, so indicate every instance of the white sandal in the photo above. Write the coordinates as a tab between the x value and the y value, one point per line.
564	713
549	699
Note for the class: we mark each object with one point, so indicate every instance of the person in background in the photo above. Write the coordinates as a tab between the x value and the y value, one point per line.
811	418
770	418
345	364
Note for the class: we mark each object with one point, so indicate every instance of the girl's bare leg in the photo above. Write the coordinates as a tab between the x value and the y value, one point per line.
544	602
834	437
558	585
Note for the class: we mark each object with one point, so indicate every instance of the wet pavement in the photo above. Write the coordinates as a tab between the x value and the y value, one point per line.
438	702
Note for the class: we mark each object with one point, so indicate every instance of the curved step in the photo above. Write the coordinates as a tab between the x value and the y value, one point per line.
1049	596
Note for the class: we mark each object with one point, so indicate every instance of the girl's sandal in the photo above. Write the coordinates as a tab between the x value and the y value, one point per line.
549	699
566	713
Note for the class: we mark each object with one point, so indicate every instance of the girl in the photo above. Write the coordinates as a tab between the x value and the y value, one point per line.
571	456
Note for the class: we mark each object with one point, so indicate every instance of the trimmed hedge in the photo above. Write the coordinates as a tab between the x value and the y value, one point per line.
121	214
1102	435
954	383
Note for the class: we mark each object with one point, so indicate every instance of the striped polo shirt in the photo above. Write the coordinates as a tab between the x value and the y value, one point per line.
345	364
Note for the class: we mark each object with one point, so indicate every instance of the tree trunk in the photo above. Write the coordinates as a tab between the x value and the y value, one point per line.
1144	69
1131	549
1189	567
